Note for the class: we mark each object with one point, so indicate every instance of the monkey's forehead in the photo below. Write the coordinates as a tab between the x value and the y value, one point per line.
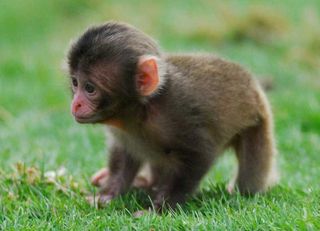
111	41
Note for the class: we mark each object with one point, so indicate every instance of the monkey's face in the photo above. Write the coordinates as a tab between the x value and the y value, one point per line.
103	93
90	103
113	70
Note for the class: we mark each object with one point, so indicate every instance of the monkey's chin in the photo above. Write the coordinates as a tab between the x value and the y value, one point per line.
86	120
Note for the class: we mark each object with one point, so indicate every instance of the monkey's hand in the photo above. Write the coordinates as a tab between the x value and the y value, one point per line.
98	201
100	177
110	187
140	181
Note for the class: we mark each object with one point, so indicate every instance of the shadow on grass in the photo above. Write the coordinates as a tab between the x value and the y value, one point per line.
213	198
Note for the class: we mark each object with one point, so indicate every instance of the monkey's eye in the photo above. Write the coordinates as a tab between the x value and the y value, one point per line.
89	88
74	82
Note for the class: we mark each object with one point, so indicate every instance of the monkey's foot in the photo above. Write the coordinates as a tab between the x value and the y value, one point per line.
230	188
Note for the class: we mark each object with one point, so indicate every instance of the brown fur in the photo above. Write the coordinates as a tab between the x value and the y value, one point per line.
205	105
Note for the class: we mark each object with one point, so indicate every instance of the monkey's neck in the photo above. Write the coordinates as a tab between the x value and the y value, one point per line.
136	117
130	118
117	123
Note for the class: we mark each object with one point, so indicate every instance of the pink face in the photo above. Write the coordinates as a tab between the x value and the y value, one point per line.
83	107
92	103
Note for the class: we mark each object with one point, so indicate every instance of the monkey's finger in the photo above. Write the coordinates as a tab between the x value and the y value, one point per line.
104	200
141	213
92	200
100	177
99	201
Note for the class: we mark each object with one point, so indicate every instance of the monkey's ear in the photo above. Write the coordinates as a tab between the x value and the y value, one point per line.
148	78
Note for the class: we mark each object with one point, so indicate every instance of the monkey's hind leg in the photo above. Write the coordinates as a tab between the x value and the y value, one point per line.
255	150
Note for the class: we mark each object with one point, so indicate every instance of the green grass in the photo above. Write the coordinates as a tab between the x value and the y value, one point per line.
36	127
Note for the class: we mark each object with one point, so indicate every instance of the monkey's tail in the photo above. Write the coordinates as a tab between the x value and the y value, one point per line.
267	84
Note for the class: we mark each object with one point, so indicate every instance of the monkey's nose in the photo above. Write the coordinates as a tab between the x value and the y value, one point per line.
75	107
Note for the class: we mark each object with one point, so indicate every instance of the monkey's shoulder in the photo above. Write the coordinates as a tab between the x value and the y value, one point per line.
206	64
187	59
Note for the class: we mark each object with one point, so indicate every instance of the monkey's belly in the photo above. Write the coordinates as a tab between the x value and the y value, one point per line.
141	148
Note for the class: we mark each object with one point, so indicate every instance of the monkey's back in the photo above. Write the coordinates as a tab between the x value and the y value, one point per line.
230	99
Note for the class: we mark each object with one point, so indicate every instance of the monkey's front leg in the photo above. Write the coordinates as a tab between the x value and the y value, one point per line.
173	187
122	170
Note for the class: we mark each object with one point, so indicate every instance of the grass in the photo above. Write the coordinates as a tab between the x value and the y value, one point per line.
38	133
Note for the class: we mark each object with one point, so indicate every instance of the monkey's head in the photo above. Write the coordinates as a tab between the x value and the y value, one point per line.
112	67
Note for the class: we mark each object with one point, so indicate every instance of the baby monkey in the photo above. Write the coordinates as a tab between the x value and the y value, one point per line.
177	113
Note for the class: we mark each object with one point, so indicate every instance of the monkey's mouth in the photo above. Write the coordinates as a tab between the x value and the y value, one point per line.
84	117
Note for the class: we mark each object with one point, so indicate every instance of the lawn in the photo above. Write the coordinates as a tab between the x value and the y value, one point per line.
276	40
